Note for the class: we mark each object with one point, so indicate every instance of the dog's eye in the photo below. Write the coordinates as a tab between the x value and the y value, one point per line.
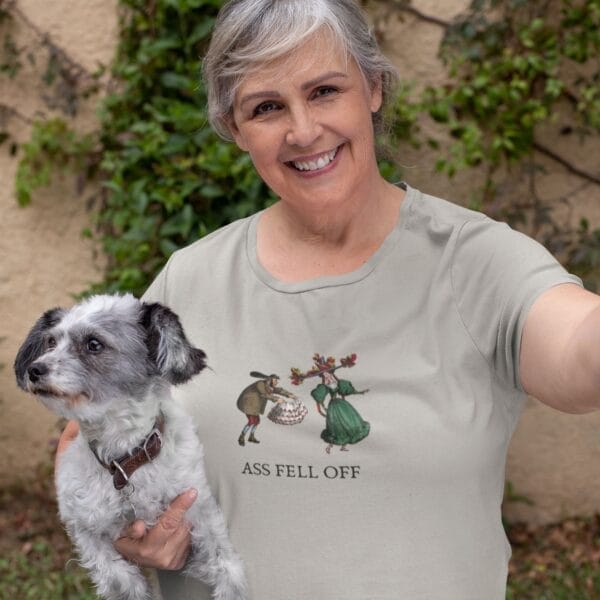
51	343
94	346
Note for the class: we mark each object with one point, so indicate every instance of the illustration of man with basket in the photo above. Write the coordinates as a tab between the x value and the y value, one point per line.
253	401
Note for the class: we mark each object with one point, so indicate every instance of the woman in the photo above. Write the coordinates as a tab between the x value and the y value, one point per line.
343	424
455	318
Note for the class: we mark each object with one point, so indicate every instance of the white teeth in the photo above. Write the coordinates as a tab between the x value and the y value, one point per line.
314	165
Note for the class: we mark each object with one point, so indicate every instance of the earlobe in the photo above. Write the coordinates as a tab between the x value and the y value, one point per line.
235	133
376	95
239	141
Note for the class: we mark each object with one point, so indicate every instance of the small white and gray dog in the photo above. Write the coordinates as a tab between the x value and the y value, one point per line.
108	363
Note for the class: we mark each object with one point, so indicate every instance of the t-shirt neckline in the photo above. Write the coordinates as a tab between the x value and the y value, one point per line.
327	280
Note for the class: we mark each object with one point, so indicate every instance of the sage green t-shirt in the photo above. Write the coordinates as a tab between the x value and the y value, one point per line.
389	486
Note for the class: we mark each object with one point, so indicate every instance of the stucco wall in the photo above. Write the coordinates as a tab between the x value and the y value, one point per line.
43	259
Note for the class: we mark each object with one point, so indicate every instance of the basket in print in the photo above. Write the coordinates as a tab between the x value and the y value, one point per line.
290	412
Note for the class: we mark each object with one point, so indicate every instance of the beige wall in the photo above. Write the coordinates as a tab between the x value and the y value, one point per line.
43	260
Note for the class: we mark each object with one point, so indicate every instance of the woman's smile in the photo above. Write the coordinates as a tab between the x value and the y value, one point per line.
316	164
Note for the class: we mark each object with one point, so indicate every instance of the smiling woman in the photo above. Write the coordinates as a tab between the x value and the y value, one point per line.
306	121
301	87
445	317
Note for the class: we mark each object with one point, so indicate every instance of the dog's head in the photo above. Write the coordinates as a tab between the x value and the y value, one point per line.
103	350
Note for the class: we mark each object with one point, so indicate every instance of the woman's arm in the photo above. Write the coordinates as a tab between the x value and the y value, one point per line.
164	546
70	432
560	349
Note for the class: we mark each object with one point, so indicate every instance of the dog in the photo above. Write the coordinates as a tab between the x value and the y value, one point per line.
109	363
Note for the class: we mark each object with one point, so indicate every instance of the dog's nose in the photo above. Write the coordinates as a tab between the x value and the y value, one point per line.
36	371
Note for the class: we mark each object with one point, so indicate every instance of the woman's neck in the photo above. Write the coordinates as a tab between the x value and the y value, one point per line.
295	245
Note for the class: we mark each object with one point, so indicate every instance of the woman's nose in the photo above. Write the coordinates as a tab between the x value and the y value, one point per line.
304	129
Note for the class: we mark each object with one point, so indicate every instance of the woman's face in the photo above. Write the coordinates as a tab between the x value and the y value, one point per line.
306	121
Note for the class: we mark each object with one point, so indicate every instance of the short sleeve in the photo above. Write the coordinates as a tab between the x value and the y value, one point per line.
320	393
345	387
497	274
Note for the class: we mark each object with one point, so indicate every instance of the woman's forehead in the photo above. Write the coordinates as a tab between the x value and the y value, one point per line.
320	54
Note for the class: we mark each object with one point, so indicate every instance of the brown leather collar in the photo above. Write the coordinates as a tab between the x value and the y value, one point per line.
122	468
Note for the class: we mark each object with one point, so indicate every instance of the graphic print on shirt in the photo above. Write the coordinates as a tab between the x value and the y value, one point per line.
288	409
343	423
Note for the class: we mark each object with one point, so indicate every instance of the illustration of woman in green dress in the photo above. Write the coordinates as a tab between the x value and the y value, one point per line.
343	423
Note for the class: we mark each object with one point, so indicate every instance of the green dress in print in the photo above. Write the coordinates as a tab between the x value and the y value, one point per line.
343	424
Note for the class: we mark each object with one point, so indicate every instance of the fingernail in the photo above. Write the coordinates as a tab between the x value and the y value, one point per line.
192	494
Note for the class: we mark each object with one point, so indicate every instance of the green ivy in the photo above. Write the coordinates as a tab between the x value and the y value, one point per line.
515	66
509	73
52	146
168	179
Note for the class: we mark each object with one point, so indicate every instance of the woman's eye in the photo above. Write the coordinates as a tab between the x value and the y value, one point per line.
265	108
324	90
94	346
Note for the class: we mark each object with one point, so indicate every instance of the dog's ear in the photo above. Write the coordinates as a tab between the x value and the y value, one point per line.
33	346
168	348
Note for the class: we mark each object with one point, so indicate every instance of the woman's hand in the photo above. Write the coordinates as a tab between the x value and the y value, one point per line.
166	545
70	432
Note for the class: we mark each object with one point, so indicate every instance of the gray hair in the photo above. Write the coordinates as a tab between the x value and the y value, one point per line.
250	33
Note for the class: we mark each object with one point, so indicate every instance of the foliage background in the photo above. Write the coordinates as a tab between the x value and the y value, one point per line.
166	179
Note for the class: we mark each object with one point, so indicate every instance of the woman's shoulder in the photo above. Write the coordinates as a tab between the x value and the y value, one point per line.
214	244
469	233
426	209
211	253
445	222
205	259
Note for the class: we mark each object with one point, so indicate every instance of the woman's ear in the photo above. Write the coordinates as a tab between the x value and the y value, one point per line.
376	92
235	133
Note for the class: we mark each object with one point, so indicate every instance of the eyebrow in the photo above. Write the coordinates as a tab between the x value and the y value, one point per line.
321	78
306	85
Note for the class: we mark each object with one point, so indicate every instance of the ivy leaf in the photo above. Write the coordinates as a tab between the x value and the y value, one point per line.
176	81
201	31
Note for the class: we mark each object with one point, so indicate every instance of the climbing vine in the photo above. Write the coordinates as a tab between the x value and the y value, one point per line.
516	68
165	178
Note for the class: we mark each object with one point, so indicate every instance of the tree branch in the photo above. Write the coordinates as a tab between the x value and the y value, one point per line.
70	66
405	6
565	163
76	68
5	109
